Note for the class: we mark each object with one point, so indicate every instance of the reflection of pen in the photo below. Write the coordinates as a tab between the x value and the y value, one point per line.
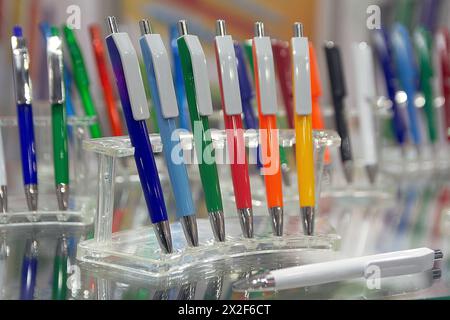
232	111
82	80
3	178
389	264
198	95
304	147
443	50
29	270
365	102
59	289
339	92
159	74
21	65
266	97
135	108
59	128
102	69
422	41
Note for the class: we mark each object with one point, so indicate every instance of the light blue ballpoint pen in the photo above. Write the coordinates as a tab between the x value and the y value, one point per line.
158	70
406	71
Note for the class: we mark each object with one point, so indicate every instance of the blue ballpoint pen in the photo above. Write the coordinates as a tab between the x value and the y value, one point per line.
22	82
135	109
406	71
178	78
162	90
29	270
384	54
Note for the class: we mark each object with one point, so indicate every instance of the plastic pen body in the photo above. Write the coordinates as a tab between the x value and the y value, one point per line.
3	178
29	270
443	49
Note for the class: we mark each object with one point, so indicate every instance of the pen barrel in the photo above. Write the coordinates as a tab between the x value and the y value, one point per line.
429	109
238	160
3	178
304	148
27	144
28	279
342	129
60	146
90	111
59	286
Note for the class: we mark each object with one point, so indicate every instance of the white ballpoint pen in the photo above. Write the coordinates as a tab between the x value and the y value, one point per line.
389	264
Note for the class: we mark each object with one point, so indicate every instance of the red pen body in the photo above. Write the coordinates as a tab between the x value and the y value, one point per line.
108	95
444	59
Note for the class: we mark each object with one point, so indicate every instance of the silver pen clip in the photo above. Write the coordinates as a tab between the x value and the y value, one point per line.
21	70
55	70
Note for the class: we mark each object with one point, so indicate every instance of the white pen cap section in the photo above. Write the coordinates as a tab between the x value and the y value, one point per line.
200	71
302	77
266	75
229	75
133	78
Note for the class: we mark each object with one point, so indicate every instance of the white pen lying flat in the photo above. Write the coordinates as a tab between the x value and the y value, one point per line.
389	264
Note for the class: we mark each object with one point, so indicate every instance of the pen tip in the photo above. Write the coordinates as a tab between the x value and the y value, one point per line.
217	220
348	171
163	235
189	224
246	220
276	215
372	171
308	218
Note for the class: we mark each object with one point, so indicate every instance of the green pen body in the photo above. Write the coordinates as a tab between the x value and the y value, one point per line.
60	147
59	288
208	171
82	80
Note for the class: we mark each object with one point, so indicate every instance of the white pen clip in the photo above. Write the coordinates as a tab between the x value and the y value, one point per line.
132	72
266	71
21	70
55	70
302	77
228	70
200	71
162	70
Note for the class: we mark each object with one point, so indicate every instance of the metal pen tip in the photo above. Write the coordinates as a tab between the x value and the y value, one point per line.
163	235
436	273
145	27
31	248
221	29
372	171
112	24
348	171
438	255
261	282
62	195
31	194
4	199
182	28
285	174
276	215
189	224
246	220
308	218
298	29
62	247
259	29
217	220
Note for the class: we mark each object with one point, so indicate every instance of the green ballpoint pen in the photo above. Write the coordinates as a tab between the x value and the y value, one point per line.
82	80
422	42
59	290
198	96
59	128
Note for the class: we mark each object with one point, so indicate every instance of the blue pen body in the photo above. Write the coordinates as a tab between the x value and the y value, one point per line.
382	46
29	271
403	52
167	127
27	143
138	132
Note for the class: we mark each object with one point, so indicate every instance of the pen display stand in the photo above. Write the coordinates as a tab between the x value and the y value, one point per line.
137	250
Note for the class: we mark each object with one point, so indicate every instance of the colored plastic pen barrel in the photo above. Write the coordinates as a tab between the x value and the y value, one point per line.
108	95
59	287
29	270
443	48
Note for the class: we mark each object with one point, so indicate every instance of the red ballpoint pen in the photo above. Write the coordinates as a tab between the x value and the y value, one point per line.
111	107
443	49
232	113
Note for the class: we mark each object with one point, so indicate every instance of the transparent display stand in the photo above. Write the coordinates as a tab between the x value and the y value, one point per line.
137	251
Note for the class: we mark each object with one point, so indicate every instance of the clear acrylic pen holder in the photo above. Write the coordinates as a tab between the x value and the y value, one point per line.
137	250
81	203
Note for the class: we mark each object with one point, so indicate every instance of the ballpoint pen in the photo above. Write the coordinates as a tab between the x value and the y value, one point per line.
266	97
232	111
135	108
198	95
59	287
422	41
304	146
59	127
178	78
82	79
365	102
108	95
22	82
389	264
404	61
443	51
3	178
383	50
339	92
165	105
29	270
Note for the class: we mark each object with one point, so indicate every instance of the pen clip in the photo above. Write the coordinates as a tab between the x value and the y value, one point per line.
200	72
55	70
21	70
228	75
156	54
301	74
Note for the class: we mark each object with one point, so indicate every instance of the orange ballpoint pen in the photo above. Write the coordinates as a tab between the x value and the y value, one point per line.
266	98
